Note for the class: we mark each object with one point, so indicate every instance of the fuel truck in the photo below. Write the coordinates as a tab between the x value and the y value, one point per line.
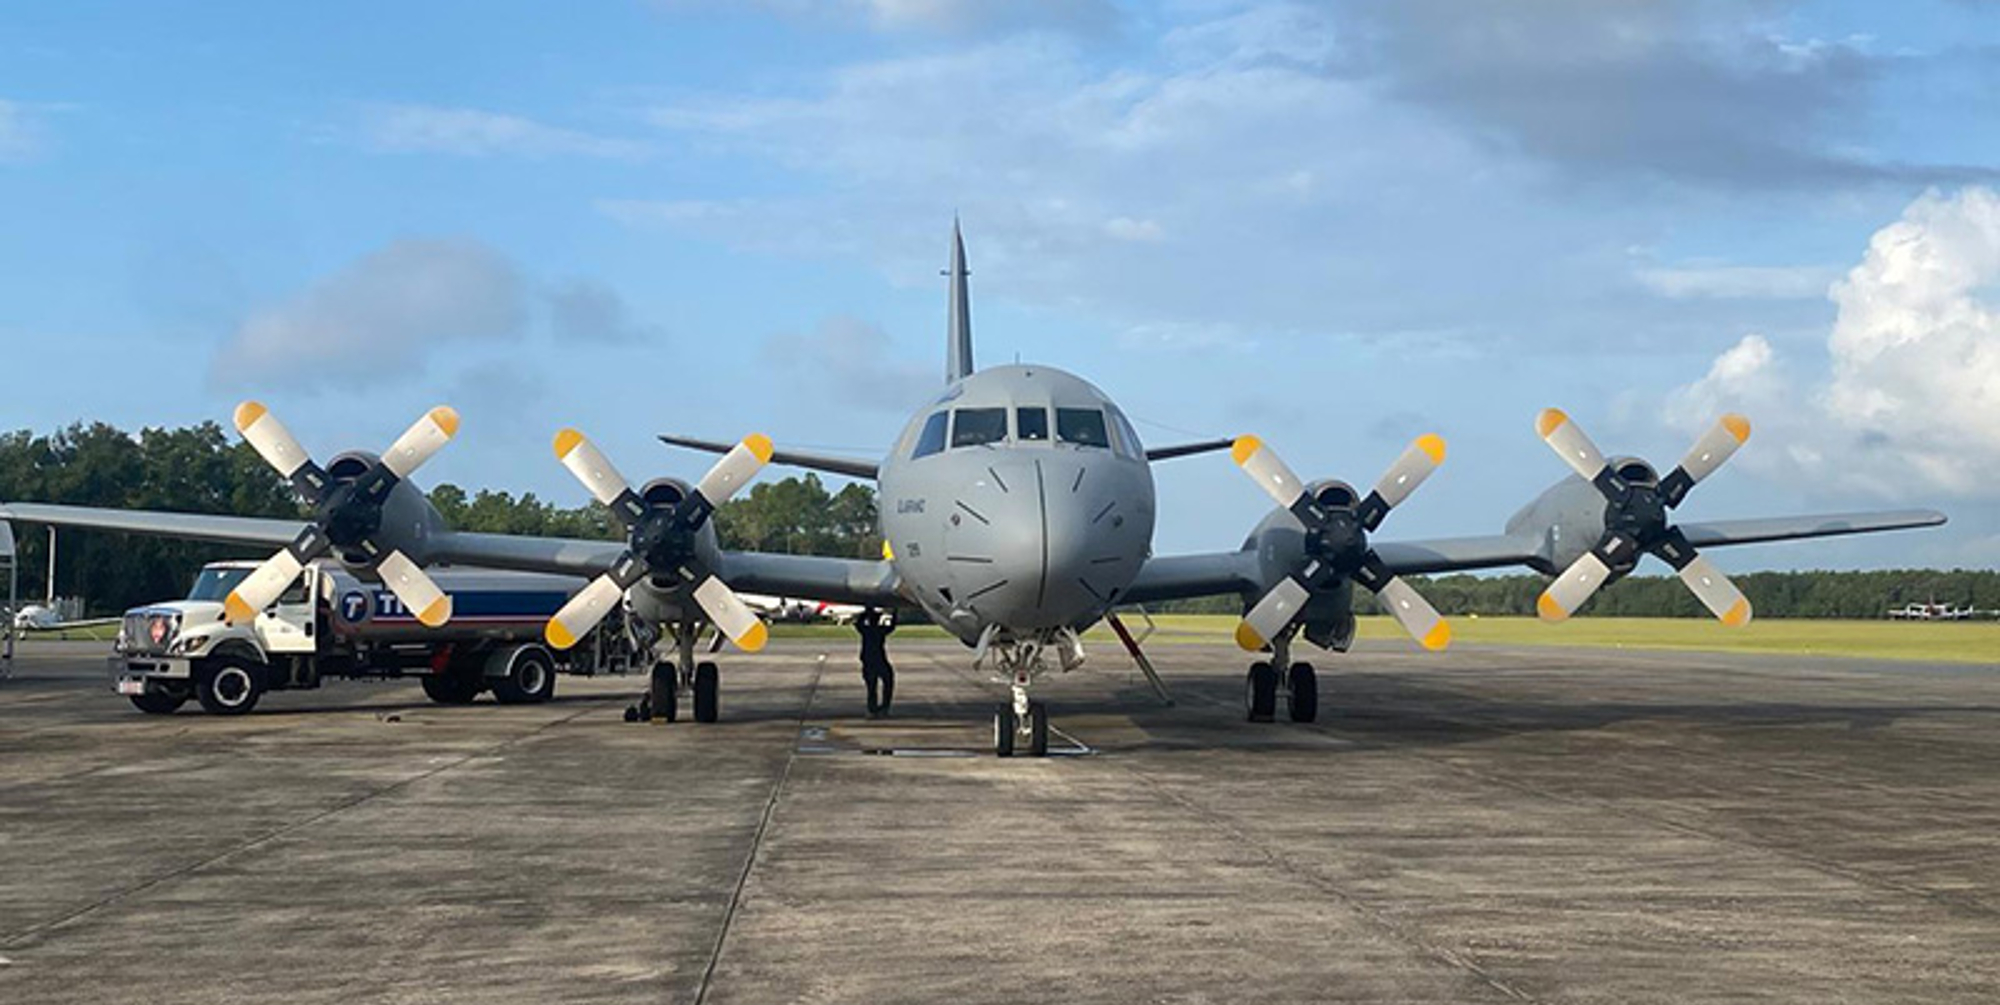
332	624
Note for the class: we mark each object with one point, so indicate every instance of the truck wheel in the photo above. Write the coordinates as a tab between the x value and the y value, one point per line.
530	678
451	687
230	686
159	702
707	693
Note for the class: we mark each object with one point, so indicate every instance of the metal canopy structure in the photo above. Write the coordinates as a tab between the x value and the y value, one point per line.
7	562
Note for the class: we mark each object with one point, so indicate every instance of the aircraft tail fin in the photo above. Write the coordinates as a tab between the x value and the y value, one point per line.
958	350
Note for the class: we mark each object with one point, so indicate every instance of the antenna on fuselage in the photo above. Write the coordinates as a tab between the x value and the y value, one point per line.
958	347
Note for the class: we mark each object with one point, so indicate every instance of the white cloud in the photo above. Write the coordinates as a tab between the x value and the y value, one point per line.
1124	228
20	134
379	317
1911	400
853	363
949	16
472	132
1738	282
585	310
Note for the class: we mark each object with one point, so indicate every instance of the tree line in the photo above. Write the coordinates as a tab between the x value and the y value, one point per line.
201	469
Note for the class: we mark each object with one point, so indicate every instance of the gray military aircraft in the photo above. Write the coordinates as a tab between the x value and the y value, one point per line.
1016	510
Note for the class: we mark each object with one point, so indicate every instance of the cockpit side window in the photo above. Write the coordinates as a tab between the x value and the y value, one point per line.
971	427
1081	426
931	440
1127	443
1031	424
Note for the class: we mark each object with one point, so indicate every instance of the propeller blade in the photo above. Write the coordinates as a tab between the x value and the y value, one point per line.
735	470
1716	445
590	466
1716	592
262	587
1269	472
423	439
731	614
271	439
1415	614
1273	612
1569	442
1573	588
418	592
1418	461
583	611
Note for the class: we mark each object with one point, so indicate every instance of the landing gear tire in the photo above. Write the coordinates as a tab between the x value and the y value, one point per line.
530	679
451	687
1303	685
159	702
1260	693
1005	728
230	686
1038	729
707	693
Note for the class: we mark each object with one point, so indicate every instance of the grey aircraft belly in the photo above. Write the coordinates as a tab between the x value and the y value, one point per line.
1016	510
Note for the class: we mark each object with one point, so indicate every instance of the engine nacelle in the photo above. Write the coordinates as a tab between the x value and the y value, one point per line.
1568	518
1333	493
407	519
665	491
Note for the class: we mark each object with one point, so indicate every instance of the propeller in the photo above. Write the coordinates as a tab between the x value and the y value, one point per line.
1635	519
350	514
661	540
1336	543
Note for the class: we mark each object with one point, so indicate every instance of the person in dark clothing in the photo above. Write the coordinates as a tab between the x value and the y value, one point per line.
875	626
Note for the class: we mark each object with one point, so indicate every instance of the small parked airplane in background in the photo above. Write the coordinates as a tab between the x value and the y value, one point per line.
1016	510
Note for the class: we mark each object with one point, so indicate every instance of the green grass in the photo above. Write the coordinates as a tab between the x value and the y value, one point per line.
1956	642
94	633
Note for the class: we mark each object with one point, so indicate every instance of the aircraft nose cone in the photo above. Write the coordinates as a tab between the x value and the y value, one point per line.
1046	541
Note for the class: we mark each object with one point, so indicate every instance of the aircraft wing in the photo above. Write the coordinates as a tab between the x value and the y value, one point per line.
1173	577
846	466
1791	528
185	526
837	580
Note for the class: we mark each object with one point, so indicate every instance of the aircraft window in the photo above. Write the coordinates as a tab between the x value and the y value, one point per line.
931	440
971	427
1128	438
1031	425
1081	426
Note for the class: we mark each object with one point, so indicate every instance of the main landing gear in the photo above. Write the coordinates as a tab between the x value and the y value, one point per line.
703	680
1299	681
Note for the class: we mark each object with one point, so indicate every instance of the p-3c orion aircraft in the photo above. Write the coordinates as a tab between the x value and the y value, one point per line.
1016	510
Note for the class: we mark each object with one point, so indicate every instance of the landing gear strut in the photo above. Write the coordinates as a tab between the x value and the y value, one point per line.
662	697
1300	681
1022	726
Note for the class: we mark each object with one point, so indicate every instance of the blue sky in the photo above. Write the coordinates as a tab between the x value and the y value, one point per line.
1336	225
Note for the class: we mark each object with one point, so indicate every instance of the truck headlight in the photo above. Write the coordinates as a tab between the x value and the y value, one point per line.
182	646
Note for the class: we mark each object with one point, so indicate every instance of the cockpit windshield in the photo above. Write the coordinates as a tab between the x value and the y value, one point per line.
971	427
215	584
1083	427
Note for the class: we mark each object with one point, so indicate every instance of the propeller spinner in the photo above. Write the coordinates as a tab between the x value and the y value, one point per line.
350	514
1336	543
1635	519
661	540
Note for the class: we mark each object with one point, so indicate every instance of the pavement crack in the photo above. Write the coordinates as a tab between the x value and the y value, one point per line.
757	840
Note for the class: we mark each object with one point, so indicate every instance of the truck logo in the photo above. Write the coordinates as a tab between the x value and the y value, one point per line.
354	606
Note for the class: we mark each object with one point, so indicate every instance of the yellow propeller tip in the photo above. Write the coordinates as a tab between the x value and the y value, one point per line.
1547	422
559	635
1247	637
761	446
754	639
1433	447
236	610
436	614
248	413
1437	638
1738	614
1738	426
446	418
1241	451
1549	610
566	441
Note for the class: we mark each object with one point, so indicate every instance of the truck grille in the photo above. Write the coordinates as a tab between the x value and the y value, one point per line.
149	632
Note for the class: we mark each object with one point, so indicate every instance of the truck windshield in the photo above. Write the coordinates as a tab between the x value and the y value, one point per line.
215	584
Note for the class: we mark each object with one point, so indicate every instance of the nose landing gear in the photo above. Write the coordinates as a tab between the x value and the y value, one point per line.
1023	725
